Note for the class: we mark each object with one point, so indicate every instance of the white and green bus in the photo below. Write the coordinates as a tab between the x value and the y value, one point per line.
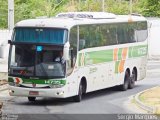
100	50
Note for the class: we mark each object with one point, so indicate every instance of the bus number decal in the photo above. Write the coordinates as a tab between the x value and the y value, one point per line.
142	51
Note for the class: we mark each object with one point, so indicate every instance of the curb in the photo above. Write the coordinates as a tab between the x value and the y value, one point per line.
149	109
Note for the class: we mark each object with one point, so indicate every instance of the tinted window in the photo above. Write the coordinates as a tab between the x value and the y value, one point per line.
111	34
40	35
141	31
73	50
126	32
122	33
26	61
97	35
131	32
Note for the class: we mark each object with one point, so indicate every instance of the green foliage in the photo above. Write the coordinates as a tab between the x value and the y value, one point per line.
152	8
26	9
90	5
121	7
36	8
3	13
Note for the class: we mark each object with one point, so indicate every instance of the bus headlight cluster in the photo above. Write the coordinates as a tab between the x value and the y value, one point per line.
13	84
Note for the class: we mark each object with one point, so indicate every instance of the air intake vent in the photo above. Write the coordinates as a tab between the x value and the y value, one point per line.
89	15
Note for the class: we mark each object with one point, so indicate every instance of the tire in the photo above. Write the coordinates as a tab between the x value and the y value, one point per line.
132	80
125	85
78	97
31	99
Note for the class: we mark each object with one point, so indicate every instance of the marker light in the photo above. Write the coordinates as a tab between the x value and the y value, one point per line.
39	48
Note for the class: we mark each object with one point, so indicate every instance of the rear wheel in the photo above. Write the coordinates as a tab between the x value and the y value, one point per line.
132	79
31	99
125	85
78	97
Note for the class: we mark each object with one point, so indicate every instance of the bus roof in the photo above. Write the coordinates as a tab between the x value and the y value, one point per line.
70	19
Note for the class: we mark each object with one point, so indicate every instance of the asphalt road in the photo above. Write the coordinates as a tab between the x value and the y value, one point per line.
96	104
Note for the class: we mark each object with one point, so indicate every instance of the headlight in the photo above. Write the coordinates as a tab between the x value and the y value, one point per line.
13	84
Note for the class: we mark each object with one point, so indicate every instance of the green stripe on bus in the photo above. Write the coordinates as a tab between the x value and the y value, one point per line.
39	81
120	54
99	57
43	81
116	66
139	51
102	56
130	52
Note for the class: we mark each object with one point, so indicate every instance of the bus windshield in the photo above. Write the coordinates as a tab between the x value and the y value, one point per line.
40	35
35	61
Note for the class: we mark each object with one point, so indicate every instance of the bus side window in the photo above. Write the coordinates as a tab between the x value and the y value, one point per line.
141	32
73	50
82	43
110	35
84	37
131	36
122	33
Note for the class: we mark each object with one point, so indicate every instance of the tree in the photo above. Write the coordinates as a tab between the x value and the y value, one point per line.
3	13
36	8
26	9
151	8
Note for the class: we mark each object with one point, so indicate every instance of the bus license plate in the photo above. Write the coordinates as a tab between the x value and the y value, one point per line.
33	93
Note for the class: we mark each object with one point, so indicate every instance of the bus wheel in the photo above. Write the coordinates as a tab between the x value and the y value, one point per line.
125	85
132	79
78	97
32	99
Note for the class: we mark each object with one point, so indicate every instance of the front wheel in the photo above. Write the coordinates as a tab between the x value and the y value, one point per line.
31	99
78	97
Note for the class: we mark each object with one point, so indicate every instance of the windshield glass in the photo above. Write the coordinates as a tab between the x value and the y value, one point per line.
40	35
36	61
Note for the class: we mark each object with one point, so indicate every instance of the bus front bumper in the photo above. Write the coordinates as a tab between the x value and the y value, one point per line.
36	92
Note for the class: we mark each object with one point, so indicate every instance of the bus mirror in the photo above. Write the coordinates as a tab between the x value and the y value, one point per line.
9	42
66	51
82	43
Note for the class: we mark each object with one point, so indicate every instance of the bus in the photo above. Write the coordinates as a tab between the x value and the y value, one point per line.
99	49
